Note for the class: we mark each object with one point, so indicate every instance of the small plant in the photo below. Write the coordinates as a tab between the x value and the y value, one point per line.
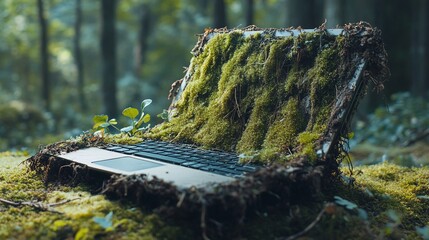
403	122
163	115
351	206
102	122
132	114
104	222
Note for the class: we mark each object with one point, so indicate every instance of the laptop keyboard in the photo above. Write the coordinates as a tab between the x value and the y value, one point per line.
218	162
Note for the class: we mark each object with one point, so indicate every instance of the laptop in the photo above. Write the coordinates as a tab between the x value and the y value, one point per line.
186	165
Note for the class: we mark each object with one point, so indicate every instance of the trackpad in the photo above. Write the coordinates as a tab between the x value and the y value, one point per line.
128	164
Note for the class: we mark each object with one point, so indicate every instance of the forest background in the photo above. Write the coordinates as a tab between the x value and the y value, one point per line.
61	62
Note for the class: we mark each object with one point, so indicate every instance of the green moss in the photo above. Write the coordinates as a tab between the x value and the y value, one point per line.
257	126
386	186
281	135
76	220
256	95
307	140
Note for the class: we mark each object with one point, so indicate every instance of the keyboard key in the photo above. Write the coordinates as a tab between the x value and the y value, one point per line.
219	162
160	157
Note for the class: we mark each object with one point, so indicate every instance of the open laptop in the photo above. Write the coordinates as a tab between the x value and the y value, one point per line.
186	165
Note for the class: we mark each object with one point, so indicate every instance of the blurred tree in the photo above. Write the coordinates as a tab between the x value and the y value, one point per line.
333	12
108	57
219	14
301	13
250	12
141	48
419	48
44	56
78	56
202	6
144	31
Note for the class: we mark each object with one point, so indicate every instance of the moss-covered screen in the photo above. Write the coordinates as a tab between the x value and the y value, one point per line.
268	97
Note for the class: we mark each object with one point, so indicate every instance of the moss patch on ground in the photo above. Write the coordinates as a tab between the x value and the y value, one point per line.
77	218
378	189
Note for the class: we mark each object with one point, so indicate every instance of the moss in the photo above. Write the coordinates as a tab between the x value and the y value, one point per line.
386	186
256	94
281	136
307	140
76	220
257	126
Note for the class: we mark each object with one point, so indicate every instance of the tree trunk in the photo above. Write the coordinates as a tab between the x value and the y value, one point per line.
333	11
301	13
140	50
143	37
219	15
202	6
44	56
78	56
419	41
249	12
108	56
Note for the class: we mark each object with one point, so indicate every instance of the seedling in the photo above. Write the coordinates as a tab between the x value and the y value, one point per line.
102	122
132	114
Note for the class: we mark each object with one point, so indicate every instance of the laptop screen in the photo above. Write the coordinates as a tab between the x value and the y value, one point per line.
271	94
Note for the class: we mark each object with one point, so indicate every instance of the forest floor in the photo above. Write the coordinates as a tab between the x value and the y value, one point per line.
382	200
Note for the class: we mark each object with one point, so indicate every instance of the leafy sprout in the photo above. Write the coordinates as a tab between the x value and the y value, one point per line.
102	123
163	115
132	114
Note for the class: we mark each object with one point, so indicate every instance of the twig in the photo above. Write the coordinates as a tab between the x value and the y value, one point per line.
182	198
9	202
308	228
38	205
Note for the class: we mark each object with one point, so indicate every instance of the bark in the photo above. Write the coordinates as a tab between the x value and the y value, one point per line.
108	56
219	15
44	56
250	12
78	56
419	41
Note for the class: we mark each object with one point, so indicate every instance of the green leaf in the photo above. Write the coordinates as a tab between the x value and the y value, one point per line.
99	120
146	118
145	103
113	121
104	125
345	203
130	112
127	129
163	115
104	222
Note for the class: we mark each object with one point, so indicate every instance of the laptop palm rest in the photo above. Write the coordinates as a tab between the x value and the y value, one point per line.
128	164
